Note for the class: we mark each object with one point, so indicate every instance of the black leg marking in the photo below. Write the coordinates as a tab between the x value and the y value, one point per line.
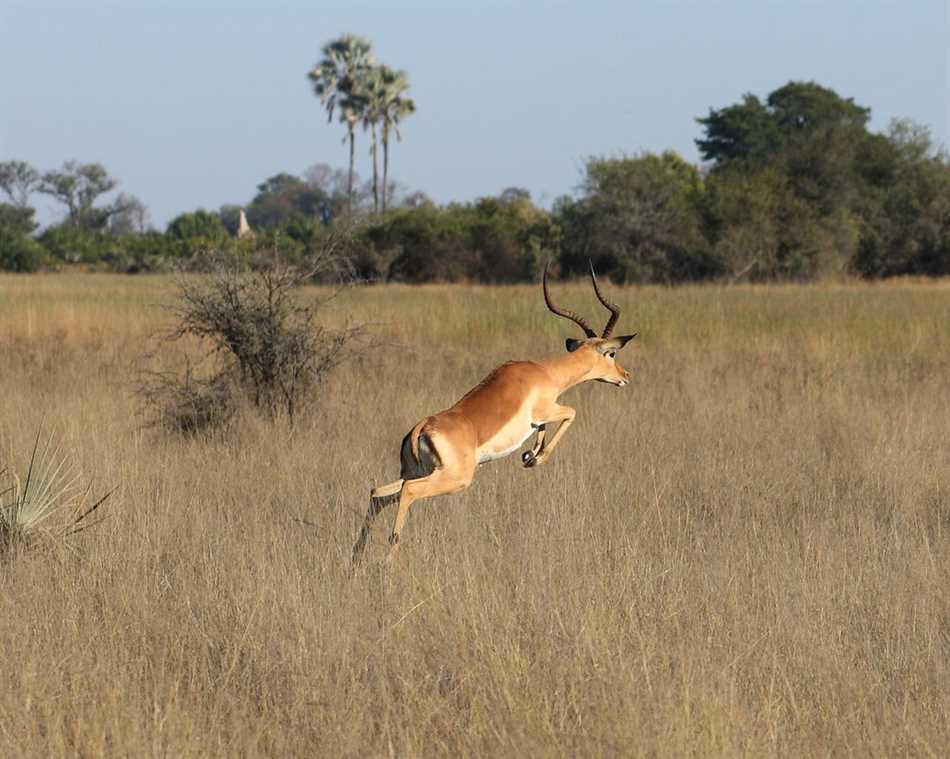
376	505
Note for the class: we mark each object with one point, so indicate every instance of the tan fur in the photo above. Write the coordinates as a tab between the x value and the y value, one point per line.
414	438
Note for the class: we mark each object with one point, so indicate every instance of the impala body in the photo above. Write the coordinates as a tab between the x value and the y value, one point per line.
495	418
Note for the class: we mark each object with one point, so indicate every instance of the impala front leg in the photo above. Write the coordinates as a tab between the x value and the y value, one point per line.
528	457
562	414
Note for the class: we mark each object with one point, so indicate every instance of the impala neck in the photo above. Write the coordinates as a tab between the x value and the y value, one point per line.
569	369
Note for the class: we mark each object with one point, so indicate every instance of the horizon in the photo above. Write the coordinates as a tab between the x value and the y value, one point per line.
185	117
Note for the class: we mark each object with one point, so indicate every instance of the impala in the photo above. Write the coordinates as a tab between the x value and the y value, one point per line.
520	398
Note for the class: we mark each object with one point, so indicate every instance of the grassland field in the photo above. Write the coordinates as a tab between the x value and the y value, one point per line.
744	553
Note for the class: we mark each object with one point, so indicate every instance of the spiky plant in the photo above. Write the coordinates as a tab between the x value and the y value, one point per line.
48	503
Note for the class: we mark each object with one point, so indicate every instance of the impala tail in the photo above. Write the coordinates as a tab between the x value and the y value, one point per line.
418	456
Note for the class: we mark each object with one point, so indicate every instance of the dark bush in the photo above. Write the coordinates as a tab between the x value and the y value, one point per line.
264	342
19	253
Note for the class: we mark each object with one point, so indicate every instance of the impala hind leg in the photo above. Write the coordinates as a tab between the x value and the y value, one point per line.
379	499
440	482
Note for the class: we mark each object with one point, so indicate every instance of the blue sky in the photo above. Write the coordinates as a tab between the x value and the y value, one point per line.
192	104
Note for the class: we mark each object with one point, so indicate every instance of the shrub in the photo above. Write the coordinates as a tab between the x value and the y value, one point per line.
69	244
19	253
188	404
265	344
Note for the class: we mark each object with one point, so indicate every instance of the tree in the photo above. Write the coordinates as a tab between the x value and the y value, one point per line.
905	216
18	250
374	97
129	216
751	218
339	81
333	184
417	199
394	106
639	219
72	245
804	106
284	198
514	194
78	186
18	180
511	238
385	106
792	178
17	219
495	239
745	132
230	215
197	227
757	133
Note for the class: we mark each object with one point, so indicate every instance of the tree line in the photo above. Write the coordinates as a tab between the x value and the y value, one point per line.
792	187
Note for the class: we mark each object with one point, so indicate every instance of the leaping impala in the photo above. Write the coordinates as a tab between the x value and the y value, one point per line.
492	420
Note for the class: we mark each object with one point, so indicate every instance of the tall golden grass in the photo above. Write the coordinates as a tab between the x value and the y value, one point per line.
744	553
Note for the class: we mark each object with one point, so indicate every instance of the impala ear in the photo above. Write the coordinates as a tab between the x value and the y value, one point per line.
573	345
616	343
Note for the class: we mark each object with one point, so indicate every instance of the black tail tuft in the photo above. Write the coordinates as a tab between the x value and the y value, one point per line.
428	461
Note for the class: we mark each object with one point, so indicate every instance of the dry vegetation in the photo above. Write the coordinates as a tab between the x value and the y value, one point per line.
744	553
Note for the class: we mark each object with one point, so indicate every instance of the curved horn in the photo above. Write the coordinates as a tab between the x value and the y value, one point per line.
563	312
612	307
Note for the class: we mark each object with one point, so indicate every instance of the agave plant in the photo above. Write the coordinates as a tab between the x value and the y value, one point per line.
48	502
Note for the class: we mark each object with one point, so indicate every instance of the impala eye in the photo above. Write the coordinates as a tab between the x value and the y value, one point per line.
611	354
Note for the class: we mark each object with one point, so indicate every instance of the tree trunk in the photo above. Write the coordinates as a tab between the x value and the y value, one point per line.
375	174
349	182
385	166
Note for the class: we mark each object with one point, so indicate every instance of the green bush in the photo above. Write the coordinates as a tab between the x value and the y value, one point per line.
20	253
495	240
68	244
639	218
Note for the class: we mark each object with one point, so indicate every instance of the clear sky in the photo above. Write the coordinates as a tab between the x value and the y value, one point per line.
192	104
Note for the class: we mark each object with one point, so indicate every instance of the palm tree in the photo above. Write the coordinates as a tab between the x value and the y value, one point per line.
393	108
339	81
374	94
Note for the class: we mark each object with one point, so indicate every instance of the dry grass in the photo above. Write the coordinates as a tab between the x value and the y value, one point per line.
744	553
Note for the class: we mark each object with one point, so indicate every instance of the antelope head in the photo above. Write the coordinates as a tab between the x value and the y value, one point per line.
602	349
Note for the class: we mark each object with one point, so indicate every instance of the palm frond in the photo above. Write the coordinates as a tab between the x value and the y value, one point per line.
51	488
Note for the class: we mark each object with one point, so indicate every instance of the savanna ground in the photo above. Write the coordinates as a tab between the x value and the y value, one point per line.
744	553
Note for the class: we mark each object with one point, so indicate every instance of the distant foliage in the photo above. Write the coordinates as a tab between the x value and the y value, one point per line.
639	219
201	226
19	252
906	210
285	199
492	240
799	188
794	188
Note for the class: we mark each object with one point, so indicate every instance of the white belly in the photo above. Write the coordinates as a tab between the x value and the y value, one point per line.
505	443
488	453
